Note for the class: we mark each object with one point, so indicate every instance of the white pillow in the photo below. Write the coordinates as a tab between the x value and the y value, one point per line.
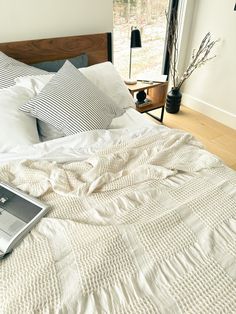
34	82
103	75
16	128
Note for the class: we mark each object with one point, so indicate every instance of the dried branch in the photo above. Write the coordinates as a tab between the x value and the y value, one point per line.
198	58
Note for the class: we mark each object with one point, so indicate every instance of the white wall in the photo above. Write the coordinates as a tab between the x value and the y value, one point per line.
31	19
211	89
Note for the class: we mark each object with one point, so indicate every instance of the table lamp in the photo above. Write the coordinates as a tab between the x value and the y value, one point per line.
135	42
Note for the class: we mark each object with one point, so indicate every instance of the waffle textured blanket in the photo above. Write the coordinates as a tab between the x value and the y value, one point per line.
145	225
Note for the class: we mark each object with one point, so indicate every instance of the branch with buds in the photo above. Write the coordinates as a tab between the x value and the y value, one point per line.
199	57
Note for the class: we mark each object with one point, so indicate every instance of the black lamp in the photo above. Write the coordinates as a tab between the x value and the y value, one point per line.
135	42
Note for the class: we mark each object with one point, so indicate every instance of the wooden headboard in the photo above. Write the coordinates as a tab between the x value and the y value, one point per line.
98	47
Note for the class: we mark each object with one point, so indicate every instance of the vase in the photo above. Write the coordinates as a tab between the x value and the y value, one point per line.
173	100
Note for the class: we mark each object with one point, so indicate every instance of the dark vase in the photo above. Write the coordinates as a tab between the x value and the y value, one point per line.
173	100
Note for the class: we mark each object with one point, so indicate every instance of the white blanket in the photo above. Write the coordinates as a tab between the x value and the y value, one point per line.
140	222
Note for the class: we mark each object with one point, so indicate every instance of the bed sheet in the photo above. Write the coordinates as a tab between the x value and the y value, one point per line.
130	120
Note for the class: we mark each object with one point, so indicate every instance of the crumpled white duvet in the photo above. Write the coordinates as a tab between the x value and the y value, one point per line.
141	221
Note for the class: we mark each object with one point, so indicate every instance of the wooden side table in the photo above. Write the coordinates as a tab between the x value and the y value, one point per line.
155	99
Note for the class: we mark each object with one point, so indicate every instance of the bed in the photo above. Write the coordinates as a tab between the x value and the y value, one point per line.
142	219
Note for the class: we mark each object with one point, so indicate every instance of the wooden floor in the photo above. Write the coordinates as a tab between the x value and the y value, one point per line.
216	137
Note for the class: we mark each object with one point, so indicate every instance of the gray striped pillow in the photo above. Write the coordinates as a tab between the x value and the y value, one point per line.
72	104
11	69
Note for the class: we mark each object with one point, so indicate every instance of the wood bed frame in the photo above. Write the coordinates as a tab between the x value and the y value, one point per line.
98	47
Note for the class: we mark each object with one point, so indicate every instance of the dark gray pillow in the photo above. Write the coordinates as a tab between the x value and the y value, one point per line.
53	66
11	69
72	104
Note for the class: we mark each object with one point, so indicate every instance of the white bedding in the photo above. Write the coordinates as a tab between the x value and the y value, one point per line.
54	149
142	220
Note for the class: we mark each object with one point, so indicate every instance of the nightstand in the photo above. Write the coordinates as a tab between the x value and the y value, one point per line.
155	97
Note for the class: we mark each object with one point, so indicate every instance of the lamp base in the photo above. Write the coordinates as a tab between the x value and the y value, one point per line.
130	81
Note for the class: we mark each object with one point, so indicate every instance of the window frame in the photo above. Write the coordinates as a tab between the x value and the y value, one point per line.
173	4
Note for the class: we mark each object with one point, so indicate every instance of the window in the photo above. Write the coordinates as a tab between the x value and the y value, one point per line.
149	17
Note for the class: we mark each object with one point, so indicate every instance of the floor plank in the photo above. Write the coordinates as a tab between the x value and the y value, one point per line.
216	137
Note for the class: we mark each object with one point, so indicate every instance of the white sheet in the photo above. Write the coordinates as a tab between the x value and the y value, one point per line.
131	119
130	122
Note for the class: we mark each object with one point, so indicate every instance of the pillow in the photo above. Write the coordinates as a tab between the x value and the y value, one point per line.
48	132
71	103
11	68
16	128
105	77
35	82
53	66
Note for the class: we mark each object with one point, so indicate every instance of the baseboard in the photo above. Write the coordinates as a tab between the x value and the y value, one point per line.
220	115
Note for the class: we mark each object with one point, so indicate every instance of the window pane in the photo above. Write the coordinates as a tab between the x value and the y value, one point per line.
149	17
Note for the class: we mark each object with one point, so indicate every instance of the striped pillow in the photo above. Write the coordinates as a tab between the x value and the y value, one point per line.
11	69
72	104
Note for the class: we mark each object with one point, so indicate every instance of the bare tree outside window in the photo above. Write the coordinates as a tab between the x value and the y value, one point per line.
149	17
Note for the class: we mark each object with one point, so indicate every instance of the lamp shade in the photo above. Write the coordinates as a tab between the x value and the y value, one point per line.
135	41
